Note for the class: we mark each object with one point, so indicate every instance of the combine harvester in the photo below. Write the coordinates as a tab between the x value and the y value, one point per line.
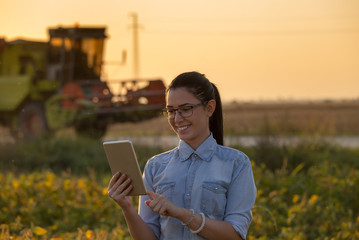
46	86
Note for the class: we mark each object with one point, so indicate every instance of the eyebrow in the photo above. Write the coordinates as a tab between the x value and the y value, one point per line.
182	105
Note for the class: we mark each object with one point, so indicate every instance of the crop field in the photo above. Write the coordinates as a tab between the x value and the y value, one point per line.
56	188
329	118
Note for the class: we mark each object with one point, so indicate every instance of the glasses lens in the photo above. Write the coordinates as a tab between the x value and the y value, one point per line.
186	111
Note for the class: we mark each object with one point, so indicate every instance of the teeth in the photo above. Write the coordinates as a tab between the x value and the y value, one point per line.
182	128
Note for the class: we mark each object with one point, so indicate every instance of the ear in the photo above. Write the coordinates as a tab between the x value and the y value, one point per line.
211	106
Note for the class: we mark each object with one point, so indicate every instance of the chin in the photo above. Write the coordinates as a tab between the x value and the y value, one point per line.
183	137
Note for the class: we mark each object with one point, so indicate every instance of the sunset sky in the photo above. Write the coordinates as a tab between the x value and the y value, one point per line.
252	49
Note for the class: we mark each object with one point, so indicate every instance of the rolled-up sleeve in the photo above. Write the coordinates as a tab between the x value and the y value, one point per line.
148	216
241	197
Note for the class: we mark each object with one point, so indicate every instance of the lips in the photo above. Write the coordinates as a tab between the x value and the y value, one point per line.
182	128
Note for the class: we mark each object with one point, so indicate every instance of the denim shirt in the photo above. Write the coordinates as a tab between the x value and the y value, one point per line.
213	179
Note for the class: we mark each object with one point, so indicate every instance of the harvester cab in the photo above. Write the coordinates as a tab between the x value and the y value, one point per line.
75	54
75	61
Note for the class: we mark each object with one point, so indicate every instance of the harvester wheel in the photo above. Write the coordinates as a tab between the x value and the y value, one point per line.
32	121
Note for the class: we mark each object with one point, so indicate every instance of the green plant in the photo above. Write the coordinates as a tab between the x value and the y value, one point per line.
311	194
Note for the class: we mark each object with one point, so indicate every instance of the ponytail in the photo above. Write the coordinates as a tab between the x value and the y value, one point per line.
216	120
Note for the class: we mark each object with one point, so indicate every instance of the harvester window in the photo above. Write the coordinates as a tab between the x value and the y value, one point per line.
55	50
88	58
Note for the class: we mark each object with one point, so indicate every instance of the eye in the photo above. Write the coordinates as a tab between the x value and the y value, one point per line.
186	109
170	110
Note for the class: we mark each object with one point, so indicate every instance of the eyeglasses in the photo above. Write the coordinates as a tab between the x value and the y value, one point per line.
184	111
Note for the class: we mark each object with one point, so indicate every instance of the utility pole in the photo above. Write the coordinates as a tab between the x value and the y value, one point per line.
136	61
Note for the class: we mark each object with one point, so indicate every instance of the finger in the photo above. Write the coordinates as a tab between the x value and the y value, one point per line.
160	207
148	202
158	203
121	179
155	207
152	194
119	186
157	199
163	211
151	203
127	191
114	179
122	187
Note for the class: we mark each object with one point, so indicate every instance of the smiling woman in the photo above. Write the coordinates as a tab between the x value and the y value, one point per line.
183	92
193	191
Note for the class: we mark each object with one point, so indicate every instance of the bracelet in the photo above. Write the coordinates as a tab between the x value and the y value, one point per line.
190	220
202	225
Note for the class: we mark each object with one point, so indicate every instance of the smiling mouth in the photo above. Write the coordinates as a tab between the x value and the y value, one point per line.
182	128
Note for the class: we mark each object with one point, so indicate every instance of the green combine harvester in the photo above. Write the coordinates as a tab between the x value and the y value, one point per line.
46	86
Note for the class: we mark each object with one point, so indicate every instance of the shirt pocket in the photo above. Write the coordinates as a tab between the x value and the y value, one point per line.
214	199
165	189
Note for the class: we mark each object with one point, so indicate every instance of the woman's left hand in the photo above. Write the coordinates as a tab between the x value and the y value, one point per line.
161	205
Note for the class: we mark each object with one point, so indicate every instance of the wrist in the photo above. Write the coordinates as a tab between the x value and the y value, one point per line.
189	219
203	222
184	214
127	208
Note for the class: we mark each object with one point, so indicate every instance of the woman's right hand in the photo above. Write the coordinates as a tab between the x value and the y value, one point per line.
119	188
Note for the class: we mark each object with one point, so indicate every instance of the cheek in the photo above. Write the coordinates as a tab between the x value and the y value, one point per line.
202	118
204	122
171	123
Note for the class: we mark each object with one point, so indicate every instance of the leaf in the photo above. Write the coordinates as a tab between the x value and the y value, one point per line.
39	231
297	169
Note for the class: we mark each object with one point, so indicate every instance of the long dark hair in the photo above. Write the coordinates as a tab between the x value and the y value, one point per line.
197	84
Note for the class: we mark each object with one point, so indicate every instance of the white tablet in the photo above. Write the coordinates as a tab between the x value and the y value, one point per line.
121	156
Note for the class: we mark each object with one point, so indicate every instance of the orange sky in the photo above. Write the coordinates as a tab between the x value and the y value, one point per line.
253	50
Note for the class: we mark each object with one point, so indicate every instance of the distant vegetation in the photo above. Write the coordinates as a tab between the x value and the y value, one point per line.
56	189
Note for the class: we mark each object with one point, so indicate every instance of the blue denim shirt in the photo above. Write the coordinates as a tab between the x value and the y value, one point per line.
213	179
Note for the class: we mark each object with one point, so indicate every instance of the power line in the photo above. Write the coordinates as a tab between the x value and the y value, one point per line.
352	18
253	33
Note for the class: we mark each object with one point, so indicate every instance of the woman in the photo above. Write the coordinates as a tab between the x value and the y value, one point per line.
200	189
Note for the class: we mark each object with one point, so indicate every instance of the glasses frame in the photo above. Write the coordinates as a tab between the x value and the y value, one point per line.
166	112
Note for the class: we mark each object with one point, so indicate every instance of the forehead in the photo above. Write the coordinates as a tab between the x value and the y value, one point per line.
180	96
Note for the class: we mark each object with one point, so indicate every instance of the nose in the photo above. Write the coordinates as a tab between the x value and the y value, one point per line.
178	116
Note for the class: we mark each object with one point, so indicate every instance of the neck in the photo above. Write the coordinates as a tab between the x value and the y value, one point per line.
196	143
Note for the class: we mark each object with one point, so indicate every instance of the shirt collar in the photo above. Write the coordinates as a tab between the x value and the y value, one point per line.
205	151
